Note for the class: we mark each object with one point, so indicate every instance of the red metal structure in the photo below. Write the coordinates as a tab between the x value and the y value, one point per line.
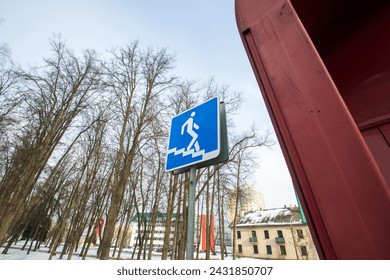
323	68
203	234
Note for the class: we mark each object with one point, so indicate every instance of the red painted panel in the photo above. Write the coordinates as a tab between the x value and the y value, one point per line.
343	192
379	147
385	130
361	56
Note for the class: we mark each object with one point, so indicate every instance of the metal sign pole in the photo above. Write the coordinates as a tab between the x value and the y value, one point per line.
191	215
197	139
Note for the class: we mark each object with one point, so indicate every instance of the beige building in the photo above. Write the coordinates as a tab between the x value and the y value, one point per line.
274	234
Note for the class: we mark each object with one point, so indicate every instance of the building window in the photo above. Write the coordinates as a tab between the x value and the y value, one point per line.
266	234
240	248
253	233
280	233
303	251
283	250
300	233
238	234
255	249
269	249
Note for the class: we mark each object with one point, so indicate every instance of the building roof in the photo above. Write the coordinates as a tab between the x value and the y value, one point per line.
277	216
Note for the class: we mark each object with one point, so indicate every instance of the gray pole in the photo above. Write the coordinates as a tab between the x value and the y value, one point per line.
191	215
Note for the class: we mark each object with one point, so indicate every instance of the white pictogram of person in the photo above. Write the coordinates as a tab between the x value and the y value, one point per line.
191	125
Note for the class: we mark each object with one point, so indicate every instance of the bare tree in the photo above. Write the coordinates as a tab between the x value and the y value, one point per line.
9	100
8	81
53	96
66	166
136	80
241	166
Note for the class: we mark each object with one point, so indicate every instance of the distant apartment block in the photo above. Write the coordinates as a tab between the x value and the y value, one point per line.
250	199
143	229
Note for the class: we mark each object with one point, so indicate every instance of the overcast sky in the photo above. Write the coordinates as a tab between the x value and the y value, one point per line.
202	34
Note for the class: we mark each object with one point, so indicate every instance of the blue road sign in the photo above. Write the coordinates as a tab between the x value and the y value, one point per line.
194	136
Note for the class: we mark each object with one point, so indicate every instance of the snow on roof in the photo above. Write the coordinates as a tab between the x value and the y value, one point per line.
270	217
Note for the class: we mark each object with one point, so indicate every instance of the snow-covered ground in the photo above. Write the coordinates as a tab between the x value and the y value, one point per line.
15	253
39	267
